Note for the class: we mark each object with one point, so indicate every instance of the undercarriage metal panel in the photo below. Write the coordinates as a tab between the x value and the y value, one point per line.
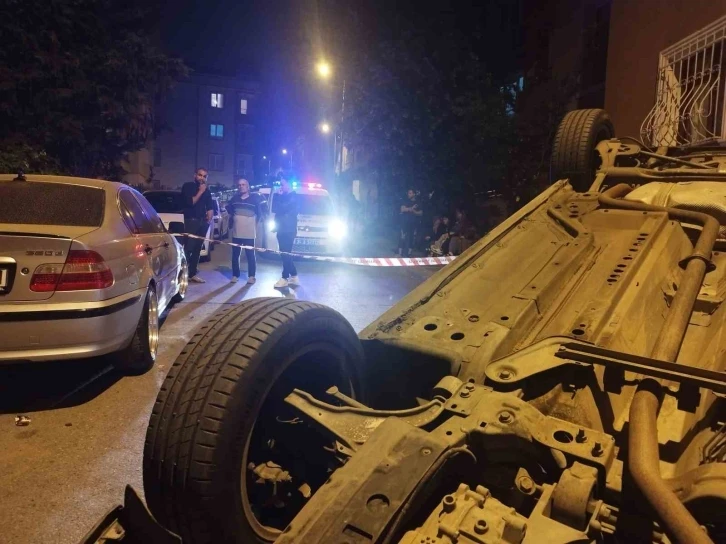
362	497
560	307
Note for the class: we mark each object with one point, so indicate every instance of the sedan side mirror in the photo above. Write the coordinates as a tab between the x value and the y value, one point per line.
176	227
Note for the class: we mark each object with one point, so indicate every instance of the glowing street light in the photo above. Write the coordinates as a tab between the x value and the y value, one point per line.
284	151
323	69
324	128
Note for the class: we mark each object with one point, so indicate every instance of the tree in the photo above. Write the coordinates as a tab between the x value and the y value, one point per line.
79	80
428	113
540	107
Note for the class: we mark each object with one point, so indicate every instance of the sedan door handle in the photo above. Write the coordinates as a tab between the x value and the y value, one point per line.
148	249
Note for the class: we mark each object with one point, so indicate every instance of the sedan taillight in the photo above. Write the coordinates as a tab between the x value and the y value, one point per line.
83	270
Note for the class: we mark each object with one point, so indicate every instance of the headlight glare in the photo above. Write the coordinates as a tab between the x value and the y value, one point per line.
337	228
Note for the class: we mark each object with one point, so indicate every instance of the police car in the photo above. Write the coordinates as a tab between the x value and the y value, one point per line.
320	231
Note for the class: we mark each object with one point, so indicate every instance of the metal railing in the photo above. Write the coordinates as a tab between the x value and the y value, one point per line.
689	107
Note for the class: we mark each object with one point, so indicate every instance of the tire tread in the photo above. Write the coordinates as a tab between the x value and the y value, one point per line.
573	144
188	414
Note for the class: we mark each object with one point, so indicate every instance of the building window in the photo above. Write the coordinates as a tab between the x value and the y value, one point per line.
690	106
243	106
157	155
216	131
217	100
216	162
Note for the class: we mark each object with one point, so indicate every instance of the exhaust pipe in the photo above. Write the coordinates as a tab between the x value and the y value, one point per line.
643	454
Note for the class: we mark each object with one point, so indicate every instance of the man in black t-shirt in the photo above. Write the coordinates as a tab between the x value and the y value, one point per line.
198	212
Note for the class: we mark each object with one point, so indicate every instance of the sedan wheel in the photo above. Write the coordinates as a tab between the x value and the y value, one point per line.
182	282
139	356
152	324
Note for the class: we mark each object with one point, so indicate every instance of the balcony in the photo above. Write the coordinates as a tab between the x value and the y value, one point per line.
689	107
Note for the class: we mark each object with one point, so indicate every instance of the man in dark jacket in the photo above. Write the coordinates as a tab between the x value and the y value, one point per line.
285	209
410	218
198	212
246	210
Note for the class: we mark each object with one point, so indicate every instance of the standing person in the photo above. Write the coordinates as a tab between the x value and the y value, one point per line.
245	211
410	214
285	208
198	212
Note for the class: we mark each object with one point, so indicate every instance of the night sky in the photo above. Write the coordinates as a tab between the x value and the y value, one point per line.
277	42
272	42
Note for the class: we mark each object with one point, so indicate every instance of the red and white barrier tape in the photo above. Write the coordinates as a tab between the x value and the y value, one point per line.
358	261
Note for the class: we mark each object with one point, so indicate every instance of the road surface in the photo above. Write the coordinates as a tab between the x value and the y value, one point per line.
84	443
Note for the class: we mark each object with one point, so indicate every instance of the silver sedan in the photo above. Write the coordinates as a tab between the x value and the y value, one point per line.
86	268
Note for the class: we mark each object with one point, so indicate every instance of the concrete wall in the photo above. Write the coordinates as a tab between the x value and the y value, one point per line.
639	31
566	40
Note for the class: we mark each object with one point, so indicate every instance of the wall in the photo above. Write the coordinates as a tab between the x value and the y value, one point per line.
639	31
185	142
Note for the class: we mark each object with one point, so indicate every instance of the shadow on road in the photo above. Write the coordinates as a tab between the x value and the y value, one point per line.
36	387
185	308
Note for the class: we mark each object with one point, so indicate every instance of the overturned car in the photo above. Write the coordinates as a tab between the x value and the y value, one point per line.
561	381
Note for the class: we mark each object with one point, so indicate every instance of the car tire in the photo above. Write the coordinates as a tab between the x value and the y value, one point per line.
574	156
203	427
140	355
182	282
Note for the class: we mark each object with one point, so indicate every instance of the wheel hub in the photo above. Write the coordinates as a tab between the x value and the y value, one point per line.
183	279
153	324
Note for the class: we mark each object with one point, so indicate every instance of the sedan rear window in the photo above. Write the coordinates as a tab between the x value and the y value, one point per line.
39	203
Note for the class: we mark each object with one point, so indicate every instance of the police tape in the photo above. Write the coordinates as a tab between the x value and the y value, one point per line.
358	261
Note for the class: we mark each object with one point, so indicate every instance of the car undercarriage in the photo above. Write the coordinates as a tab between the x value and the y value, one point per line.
561	381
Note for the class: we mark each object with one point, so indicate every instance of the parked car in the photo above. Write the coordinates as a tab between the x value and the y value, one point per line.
169	206
320	230
221	220
86	268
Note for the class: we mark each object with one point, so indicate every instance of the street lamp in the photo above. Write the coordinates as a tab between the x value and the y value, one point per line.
323	69
264	158
284	152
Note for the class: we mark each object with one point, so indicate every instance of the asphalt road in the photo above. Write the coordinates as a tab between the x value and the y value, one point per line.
68	467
